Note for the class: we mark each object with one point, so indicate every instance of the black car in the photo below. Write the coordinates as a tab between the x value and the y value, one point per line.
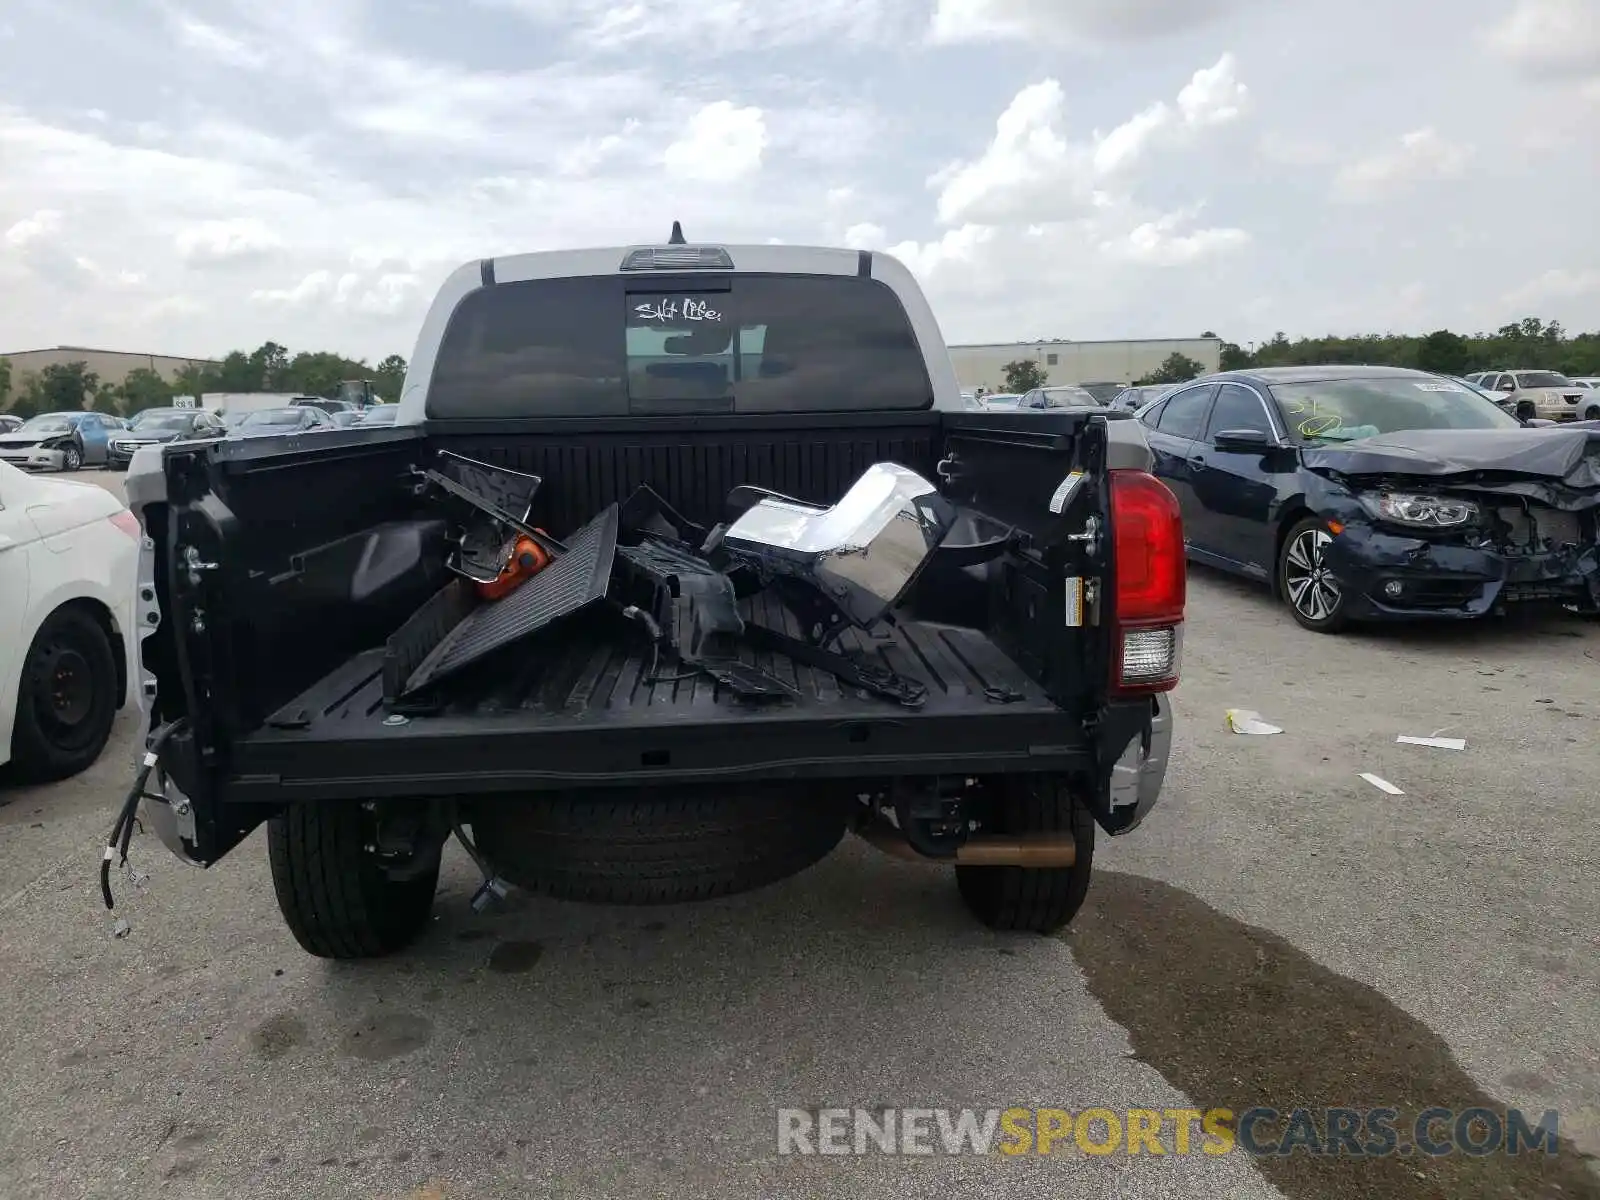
1379	493
155	426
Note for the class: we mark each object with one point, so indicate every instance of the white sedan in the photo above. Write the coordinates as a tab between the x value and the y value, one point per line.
68	556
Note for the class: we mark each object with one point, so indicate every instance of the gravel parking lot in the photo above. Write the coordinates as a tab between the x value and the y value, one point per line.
1280	933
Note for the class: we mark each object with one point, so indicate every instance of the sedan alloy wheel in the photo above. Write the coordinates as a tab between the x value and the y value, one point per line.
1308	583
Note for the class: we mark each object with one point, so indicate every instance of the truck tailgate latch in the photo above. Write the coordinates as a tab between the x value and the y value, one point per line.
193	565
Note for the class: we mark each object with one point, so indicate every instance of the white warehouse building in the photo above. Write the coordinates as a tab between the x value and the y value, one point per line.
1080	362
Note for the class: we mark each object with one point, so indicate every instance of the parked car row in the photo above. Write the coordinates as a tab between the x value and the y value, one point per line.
1088	395
1551	395
1546	395
70	441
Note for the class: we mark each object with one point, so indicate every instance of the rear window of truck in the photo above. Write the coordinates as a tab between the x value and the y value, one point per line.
627	345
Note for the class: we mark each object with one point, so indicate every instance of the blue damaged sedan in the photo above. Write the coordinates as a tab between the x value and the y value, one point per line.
1380	493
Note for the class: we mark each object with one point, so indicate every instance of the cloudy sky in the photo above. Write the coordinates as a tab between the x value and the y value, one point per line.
187	176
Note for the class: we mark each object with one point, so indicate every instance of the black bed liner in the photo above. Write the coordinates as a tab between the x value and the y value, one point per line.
579	710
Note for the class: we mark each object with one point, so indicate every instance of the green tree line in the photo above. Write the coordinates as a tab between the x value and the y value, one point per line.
269	368
1530	344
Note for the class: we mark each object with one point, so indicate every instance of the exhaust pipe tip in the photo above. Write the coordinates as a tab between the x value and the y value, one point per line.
1049	851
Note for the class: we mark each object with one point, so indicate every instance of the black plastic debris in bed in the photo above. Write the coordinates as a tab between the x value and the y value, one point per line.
499	500
691	609
576	579
832	568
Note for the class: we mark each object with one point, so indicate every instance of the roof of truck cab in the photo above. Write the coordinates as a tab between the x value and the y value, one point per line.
771	258
607	260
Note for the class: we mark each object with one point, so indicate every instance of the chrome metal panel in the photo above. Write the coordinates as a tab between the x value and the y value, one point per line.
862	554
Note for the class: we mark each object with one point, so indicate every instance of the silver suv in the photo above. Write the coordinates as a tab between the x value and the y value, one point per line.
1554	396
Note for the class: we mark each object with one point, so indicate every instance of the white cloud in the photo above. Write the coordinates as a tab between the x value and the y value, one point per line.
1421	156
1545	38
225	241
319	285
389	295
865	236
105	276
592	153
1102	21
1031	169
1044	226
384	295
38	245
961	248
197	35
1294	151
43	224
1213	96
715	26
1027	165
1159	243
1555	286
722	143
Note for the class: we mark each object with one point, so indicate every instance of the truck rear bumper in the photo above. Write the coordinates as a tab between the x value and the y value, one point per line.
1140	772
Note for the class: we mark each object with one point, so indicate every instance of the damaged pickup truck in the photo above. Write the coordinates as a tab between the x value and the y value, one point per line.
679	563
1378	493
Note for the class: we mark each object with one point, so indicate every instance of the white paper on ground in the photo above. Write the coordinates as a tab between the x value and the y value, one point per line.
1383	785
1438	743
1243	720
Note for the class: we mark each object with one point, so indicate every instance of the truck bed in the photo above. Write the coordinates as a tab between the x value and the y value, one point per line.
575	709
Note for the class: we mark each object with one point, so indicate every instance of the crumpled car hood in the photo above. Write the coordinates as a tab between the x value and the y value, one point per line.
1570	456
27	439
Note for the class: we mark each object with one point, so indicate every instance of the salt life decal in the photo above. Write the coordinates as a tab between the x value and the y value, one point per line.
686	309
1439	387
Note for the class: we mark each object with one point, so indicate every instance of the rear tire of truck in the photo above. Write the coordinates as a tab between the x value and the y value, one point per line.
336	899
1025	900
627	848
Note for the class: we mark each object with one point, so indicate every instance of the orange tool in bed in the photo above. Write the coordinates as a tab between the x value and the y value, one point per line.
527	558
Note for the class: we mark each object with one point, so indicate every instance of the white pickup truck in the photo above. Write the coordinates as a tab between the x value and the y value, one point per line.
779	418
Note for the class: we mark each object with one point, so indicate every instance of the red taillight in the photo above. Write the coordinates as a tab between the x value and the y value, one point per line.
128	523
1150	583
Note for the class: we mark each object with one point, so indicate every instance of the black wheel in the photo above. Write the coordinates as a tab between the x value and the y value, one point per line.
71	458
1314	594
67	699
662	848
1024	899
336	898
1592	413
